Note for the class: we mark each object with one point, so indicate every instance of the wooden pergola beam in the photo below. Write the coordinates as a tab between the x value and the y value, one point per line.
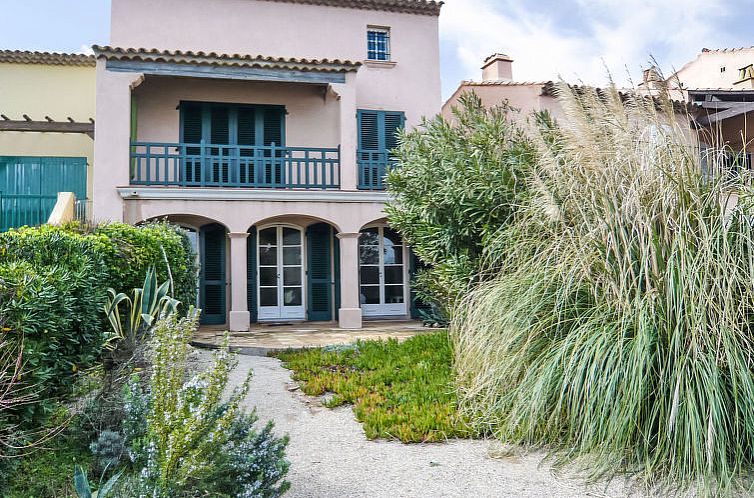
48	126
735	109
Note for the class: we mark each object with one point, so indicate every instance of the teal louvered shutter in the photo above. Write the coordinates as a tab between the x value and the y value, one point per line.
319	271
394	122
273	134
251	273
369	137
246	128
220	135
212	291
336	271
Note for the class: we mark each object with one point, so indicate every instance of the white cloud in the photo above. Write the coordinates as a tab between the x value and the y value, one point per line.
85	50
578	42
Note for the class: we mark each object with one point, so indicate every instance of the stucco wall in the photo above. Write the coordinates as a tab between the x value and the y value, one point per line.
293	30
525	98
704	72
312	119
40	90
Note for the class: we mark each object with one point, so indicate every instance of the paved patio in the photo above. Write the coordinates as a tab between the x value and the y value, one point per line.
266	338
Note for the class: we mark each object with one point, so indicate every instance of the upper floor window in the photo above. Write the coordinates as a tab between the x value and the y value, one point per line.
378	44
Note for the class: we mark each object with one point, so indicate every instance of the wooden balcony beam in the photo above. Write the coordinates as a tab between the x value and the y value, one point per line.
47	126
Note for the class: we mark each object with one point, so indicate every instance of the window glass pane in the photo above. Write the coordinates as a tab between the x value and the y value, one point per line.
268	276
391	236
394	274
370	275
393	294
393	255
291	237
370	294
268	237
369	255
292	276
291	255
369	237
292	296
268	256
268	297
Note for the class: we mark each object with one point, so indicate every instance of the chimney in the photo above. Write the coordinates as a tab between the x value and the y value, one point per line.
497	67
652	80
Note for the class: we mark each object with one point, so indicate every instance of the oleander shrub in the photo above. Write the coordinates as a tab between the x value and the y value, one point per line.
456	185
132	250
618	333
187	436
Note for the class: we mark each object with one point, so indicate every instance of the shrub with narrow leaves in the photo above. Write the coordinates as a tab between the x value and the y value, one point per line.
186	437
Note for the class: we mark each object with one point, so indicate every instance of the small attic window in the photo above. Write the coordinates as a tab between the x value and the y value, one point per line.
722	69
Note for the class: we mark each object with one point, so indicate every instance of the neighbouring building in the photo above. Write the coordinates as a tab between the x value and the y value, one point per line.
720	86
498	86
46	133
264	127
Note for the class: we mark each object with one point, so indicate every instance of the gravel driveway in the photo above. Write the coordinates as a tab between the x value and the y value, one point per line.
330	457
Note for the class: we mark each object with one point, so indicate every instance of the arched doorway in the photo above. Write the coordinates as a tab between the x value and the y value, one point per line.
382	272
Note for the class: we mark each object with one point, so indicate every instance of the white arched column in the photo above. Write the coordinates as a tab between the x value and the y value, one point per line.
349	314
239	318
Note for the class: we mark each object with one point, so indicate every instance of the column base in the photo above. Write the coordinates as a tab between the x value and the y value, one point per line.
349	318
239	321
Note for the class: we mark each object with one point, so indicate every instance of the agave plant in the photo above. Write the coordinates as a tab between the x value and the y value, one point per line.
144	306
84	489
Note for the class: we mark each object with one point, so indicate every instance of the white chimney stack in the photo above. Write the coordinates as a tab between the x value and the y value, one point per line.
497	67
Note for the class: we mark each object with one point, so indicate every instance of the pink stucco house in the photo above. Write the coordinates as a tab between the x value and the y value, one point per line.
263	127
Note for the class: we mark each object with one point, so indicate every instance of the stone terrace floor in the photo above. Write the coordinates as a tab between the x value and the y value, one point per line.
265	338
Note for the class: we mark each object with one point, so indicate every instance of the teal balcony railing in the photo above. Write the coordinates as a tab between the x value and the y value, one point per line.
215	165
373	166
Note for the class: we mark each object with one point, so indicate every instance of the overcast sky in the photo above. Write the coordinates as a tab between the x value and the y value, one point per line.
575	39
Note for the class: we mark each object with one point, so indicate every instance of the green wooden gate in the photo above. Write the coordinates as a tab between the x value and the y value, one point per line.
212	274
29	187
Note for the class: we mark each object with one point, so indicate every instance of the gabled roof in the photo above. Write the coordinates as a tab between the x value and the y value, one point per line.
50	58
422	7
230	60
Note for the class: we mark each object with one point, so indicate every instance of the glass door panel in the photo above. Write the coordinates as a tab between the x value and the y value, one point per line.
381	272
280	274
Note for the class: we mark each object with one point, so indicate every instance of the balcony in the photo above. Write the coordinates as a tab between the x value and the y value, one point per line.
373	166
234	166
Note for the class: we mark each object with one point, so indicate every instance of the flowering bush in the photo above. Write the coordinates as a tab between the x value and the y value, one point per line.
185	437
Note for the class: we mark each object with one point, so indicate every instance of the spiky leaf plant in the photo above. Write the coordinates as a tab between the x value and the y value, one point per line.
619	332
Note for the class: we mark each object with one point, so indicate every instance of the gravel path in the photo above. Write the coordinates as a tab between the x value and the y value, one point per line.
330	457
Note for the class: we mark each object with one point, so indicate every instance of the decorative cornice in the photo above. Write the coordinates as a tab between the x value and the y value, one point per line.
237	194
49	58
421	7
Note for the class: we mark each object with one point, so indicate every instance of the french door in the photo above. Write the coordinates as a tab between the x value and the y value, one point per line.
382	289
281	273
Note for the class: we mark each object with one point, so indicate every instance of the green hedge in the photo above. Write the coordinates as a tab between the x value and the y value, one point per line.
132	250
51	298
53	284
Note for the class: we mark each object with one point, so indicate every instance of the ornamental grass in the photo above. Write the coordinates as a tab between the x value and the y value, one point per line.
619	332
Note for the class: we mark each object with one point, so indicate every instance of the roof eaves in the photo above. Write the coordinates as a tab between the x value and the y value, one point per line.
421	7
220	59
48	58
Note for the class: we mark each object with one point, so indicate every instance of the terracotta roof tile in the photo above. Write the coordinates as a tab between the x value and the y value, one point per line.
422	7
503	83
218	59
51	58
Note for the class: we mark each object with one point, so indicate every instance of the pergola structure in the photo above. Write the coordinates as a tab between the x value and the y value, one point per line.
48	125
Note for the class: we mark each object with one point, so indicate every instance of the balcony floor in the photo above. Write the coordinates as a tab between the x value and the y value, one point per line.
266	338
